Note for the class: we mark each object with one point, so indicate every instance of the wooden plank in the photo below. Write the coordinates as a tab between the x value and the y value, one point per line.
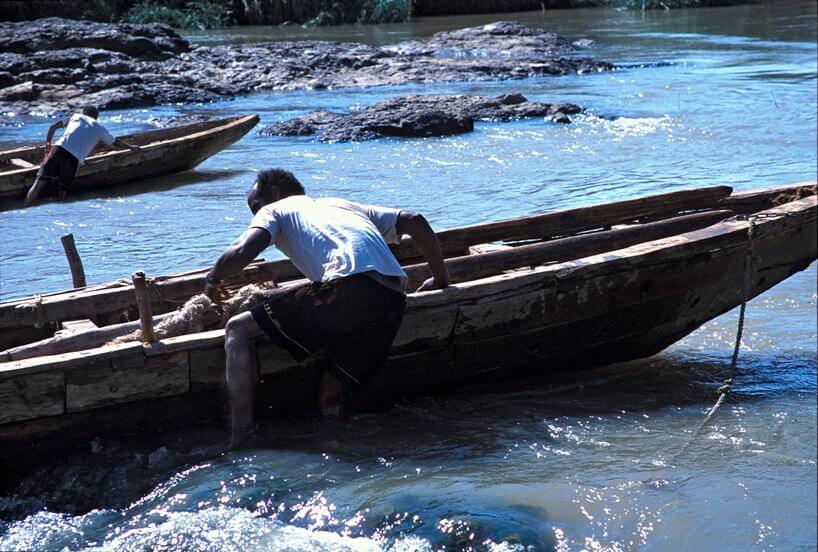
731	233
755	200
20	163
412	372
560	223
425	328
126	379
67	360
32	396
471	267
207	367
505	316
78	325
454	241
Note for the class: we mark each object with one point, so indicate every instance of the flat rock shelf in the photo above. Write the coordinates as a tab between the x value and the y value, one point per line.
51	65
417	116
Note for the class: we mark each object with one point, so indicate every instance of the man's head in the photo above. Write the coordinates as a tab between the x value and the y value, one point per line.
90	111
270	186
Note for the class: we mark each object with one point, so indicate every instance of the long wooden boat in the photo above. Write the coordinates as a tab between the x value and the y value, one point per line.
574	288
164	151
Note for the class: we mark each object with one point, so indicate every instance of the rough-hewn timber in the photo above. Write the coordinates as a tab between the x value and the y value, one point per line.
164	151
617	305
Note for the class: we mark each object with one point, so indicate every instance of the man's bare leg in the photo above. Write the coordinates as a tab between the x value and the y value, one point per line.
331	396
34	191
242	373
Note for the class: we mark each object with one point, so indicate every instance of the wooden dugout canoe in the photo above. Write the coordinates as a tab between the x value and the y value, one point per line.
164	151
587	297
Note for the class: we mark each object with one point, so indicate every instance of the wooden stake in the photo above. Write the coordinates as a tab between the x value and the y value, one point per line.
143	303
74	261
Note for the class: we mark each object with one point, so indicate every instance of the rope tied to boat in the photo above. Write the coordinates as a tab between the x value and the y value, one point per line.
751	261
199	313
39	312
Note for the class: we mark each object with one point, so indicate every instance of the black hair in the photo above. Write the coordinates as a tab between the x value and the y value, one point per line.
91	111
285	181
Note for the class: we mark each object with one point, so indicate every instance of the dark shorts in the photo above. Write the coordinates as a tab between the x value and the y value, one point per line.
355	318
58	169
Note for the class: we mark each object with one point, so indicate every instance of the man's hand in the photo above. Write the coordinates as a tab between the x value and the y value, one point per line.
416	226
430	284
215	291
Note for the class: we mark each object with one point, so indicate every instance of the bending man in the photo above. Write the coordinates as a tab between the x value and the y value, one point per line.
353	306
81	135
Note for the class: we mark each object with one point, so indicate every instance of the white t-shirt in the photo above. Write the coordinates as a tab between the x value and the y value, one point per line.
328	238
81	135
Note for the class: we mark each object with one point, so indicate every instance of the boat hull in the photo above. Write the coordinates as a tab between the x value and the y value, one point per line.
162	154
618	306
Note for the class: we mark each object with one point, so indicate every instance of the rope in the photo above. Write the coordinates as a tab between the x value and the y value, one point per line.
39	313
750	261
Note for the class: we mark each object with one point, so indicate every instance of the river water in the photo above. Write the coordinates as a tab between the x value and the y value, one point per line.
582	461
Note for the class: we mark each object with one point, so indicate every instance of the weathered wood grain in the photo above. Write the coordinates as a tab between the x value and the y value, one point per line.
505	316
453	242
207	367
126	379
472	267
32	396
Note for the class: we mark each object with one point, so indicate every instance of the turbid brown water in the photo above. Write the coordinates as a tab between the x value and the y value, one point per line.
582	462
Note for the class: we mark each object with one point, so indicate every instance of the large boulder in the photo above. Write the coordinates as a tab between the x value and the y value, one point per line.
51	34
418	116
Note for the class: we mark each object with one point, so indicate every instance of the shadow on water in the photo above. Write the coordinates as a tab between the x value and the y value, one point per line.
472	423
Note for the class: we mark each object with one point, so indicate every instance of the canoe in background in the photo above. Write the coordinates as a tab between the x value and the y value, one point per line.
626	293
164	151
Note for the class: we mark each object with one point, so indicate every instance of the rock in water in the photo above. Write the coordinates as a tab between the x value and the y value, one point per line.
71	63
430	115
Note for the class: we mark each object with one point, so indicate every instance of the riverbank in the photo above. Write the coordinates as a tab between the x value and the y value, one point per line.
53	65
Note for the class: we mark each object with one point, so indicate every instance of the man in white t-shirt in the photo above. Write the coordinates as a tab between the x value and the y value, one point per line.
353	306
81	135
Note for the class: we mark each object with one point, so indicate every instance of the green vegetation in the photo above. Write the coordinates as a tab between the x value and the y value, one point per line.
321	12
209	14
195	14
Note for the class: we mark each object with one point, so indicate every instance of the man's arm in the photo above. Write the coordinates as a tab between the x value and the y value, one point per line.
122	144
51	130
424	238
235	258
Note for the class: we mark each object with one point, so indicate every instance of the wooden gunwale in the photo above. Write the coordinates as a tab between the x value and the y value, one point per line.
169	291
544	314
722	237
179	287
167	152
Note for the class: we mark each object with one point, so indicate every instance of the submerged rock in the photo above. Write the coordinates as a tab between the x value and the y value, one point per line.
71	63
428	115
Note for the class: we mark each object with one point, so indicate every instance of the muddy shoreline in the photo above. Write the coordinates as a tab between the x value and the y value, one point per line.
54	65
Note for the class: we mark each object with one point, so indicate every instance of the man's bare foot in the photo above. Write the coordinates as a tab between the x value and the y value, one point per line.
331	396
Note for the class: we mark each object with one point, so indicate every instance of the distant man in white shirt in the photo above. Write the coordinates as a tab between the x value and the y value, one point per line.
81	135
354	304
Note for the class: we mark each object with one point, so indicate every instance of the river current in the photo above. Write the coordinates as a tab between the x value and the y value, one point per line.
568	462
